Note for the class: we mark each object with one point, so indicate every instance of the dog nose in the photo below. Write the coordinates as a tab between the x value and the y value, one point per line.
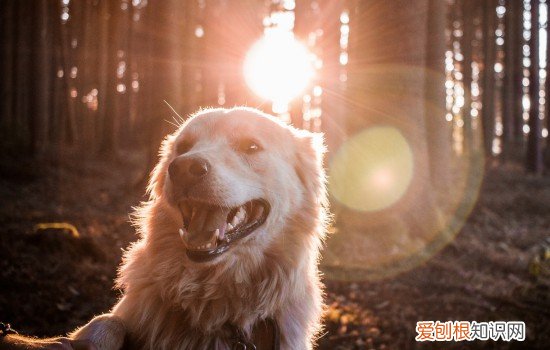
199	167
186	170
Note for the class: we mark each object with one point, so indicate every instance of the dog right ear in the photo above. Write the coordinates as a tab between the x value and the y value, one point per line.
309	163
158	175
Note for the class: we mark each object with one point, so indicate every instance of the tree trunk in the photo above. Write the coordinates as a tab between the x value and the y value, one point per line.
123	51
438	130
87	75
468	25
104	93
166	70
510	101
110	14
24	121
488	97
9	23
518	74
67	61
210	48
41	72
333	104
534	163
131	71
387	88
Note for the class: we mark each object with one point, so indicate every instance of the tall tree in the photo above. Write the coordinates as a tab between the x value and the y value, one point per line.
512	50
518	72
110	18
105	73
86	52
534	163
124	72
41	71
333	103
67	62
438	130
9	29
488	97
165	70
387	86
23	124
468	9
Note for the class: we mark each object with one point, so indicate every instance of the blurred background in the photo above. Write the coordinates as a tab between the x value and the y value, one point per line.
434	112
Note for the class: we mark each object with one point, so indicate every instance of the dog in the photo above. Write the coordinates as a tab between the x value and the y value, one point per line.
229	238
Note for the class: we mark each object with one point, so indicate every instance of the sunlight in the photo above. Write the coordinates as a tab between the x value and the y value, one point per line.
278	67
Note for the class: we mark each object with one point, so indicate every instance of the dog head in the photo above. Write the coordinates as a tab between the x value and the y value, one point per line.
233	181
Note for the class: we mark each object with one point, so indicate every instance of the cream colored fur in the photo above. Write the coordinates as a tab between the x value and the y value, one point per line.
170	302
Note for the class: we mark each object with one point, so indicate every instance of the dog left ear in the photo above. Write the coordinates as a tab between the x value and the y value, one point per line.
309	162
158	175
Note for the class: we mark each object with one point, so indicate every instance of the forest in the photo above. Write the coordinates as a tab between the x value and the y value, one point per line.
434	113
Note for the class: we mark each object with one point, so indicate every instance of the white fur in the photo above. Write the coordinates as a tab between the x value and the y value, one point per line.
169	302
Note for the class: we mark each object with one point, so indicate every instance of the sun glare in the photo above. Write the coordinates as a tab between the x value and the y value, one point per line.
372	170
278	68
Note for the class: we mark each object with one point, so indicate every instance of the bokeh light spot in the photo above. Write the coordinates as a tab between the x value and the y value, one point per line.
372	170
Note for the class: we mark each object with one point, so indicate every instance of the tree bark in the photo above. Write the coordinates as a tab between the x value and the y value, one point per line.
387	87
67	60
123	51
87	74
333	104
24	123
468	8
9	23
510	80
488	97
41	72
518	74
110	17
534	162
438	130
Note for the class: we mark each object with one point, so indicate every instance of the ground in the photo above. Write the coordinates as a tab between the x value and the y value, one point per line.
52	281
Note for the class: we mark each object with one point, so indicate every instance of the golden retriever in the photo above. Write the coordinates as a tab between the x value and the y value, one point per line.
230	236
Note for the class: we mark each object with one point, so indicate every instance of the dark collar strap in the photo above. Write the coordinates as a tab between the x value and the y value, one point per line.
265	336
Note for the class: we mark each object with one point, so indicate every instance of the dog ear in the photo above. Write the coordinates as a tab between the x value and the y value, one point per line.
309	163
158	175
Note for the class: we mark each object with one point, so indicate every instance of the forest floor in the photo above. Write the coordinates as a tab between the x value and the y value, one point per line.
52	282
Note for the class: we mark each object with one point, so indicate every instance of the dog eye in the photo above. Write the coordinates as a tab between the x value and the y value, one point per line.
249	146
183	147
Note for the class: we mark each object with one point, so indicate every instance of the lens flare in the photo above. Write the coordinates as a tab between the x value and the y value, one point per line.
372	170
398	197
278	67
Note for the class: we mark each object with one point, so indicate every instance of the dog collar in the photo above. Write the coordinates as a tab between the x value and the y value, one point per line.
265	335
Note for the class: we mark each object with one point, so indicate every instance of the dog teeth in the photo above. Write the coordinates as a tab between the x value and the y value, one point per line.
235	221
182	233
241	213
207	246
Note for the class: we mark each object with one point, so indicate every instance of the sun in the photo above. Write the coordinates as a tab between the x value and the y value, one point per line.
278	67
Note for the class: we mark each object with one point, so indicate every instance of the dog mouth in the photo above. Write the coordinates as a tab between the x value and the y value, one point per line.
210	230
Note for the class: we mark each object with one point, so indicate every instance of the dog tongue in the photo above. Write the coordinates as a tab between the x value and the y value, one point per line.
204	222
